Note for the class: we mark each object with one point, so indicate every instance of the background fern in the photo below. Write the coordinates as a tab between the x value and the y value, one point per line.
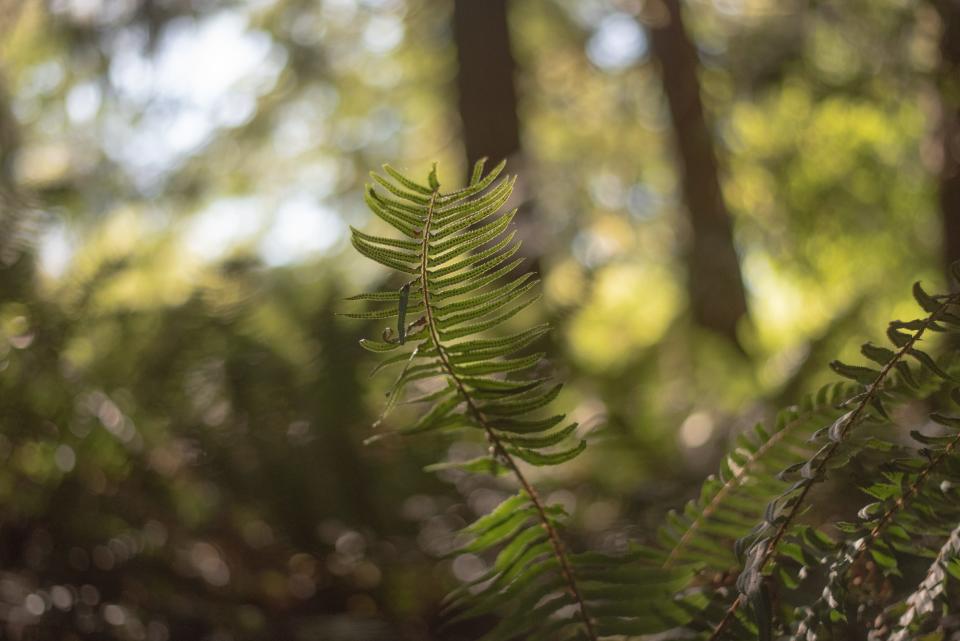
886	530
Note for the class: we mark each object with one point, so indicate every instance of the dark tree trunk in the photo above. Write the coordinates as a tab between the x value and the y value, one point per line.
488	98
9	139
948	80
715	286
488	107
12	205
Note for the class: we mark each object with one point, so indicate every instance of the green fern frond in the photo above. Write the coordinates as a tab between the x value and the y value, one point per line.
760	468
457	252
732	501
915	498
766	542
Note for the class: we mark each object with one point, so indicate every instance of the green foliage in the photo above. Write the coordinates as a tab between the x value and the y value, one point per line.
911	512
755	521
460	252
731	502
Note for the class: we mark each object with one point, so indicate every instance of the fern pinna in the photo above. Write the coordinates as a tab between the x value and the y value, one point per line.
745	560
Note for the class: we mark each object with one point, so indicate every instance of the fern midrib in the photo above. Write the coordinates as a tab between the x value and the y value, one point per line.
849	423
494	440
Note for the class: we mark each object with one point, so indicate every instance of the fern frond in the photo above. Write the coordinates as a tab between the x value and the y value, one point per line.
914	498
924	600
778	527
460	259
758	470
731	502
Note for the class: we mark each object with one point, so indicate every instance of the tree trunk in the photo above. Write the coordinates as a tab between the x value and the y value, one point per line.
488	108
13	210
714	283
488	99
948	81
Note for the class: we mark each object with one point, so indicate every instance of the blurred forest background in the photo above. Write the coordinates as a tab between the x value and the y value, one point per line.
720	197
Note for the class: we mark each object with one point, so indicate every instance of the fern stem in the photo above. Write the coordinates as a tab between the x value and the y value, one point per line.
849	423
498	449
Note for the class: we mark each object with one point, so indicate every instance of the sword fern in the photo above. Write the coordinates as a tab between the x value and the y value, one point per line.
459	251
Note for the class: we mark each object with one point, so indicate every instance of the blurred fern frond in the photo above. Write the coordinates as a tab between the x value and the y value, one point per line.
913	512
